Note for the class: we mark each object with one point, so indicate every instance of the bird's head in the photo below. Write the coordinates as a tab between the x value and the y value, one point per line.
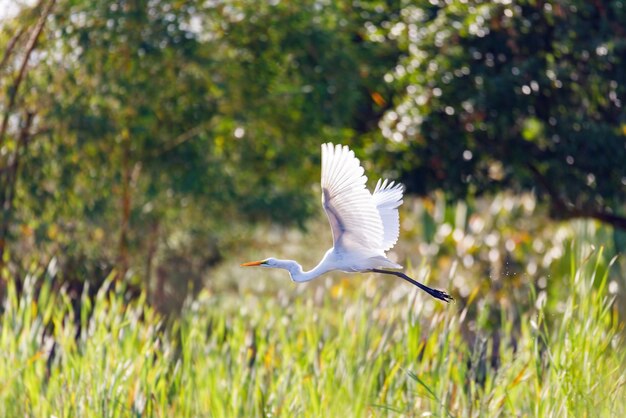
289	265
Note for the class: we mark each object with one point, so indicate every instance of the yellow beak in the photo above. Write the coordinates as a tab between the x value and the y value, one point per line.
253	263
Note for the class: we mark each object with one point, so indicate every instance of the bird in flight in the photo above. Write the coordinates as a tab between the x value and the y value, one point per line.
364	225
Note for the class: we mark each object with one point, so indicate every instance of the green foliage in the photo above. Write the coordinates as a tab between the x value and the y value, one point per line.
368	352
520	95
156	135
177	122
168	120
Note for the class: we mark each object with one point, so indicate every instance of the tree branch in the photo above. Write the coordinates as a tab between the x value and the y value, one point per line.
10	46
602	215
30	47
567	210
184	137
8	193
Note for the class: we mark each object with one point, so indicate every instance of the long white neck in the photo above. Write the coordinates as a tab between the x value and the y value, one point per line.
296	272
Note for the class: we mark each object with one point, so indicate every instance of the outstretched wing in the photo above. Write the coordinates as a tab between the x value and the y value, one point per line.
350	208
387	197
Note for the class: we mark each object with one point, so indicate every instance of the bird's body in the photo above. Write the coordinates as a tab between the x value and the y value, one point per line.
364	225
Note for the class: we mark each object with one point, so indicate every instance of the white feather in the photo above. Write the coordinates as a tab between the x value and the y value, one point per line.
354	219
387	198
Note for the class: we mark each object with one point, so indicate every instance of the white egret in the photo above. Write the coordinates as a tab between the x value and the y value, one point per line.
363	225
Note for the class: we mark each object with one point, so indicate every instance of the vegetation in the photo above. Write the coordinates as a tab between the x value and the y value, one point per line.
149	147
355	353
514	95
136	131
141	115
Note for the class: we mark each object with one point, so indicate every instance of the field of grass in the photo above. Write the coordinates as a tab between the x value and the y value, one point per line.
337	350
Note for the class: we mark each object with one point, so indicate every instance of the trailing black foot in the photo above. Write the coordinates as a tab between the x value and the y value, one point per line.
437	294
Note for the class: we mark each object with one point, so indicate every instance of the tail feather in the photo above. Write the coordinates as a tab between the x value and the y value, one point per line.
384	262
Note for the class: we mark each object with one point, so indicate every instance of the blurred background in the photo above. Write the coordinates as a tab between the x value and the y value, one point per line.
164	142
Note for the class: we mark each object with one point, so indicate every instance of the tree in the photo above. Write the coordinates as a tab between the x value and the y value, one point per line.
14	141
518	95
168	121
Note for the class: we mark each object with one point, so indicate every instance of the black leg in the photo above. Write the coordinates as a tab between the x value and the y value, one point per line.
432	292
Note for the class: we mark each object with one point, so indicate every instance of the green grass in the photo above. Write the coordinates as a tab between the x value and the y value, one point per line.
366	352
